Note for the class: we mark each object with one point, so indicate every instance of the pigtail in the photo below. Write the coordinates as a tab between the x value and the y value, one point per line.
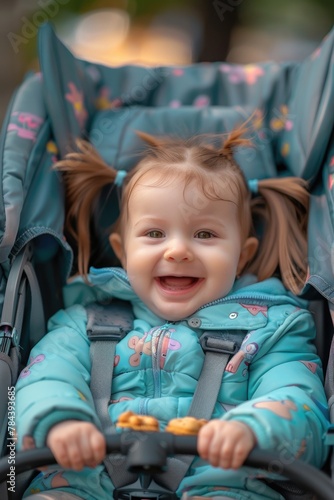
234	140
85	175
151	140
282	210
228	143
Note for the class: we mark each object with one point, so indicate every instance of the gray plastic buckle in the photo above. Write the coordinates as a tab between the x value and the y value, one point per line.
216	343
106	333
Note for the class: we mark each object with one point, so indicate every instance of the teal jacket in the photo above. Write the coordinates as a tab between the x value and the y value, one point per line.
274	383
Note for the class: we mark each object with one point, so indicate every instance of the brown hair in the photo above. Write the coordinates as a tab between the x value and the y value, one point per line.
280	207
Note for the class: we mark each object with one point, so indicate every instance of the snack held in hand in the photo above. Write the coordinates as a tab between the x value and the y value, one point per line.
130	420
186	425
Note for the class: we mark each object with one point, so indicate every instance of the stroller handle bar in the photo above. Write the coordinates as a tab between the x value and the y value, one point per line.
147	452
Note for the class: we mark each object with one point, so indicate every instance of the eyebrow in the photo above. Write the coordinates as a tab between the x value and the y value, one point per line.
153	220
206	222
209	219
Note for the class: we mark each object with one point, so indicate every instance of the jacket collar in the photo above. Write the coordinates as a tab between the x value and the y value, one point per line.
245	307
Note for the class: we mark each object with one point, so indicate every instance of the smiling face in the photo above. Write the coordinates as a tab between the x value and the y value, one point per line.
181	250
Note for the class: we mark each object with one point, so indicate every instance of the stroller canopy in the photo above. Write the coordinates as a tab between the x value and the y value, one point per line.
291	105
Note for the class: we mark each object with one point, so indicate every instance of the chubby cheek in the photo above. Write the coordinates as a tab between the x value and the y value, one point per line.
140	287
224	258
139	260
137	274
224	274
134	275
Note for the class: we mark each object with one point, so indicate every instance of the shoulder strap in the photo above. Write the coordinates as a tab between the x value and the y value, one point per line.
218	347
107	324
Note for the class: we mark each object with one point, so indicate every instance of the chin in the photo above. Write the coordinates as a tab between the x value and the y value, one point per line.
172	315
169	317
174	318
173	311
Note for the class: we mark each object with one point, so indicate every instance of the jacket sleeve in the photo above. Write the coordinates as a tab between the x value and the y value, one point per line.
287	405
54	386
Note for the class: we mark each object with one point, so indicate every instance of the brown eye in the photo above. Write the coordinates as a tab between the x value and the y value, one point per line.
204	235
155	234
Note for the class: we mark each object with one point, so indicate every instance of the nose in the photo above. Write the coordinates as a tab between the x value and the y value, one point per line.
178	251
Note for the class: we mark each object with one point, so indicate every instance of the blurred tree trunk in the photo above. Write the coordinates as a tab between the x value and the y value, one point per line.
219	19
11	64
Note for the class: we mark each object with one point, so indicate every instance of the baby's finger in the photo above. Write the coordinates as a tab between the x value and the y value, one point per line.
98	447
215	448
75	455
86	450
224	452
242	448
239	455
238	442
204	439
59	450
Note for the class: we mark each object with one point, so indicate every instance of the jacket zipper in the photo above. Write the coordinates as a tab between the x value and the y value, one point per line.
253	299
158	337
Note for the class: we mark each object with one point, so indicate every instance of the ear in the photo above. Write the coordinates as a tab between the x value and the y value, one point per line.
248	251
116	243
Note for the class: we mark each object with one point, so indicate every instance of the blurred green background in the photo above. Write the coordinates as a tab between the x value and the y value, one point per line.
155	32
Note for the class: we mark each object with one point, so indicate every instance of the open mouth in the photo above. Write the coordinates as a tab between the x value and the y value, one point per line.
177	283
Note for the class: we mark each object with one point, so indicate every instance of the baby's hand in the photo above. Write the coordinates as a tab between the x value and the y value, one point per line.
76	444
225	444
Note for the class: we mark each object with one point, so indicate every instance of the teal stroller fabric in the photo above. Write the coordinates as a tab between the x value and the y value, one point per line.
291	105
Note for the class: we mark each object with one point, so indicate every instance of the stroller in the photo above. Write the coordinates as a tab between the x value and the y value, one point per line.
291	105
